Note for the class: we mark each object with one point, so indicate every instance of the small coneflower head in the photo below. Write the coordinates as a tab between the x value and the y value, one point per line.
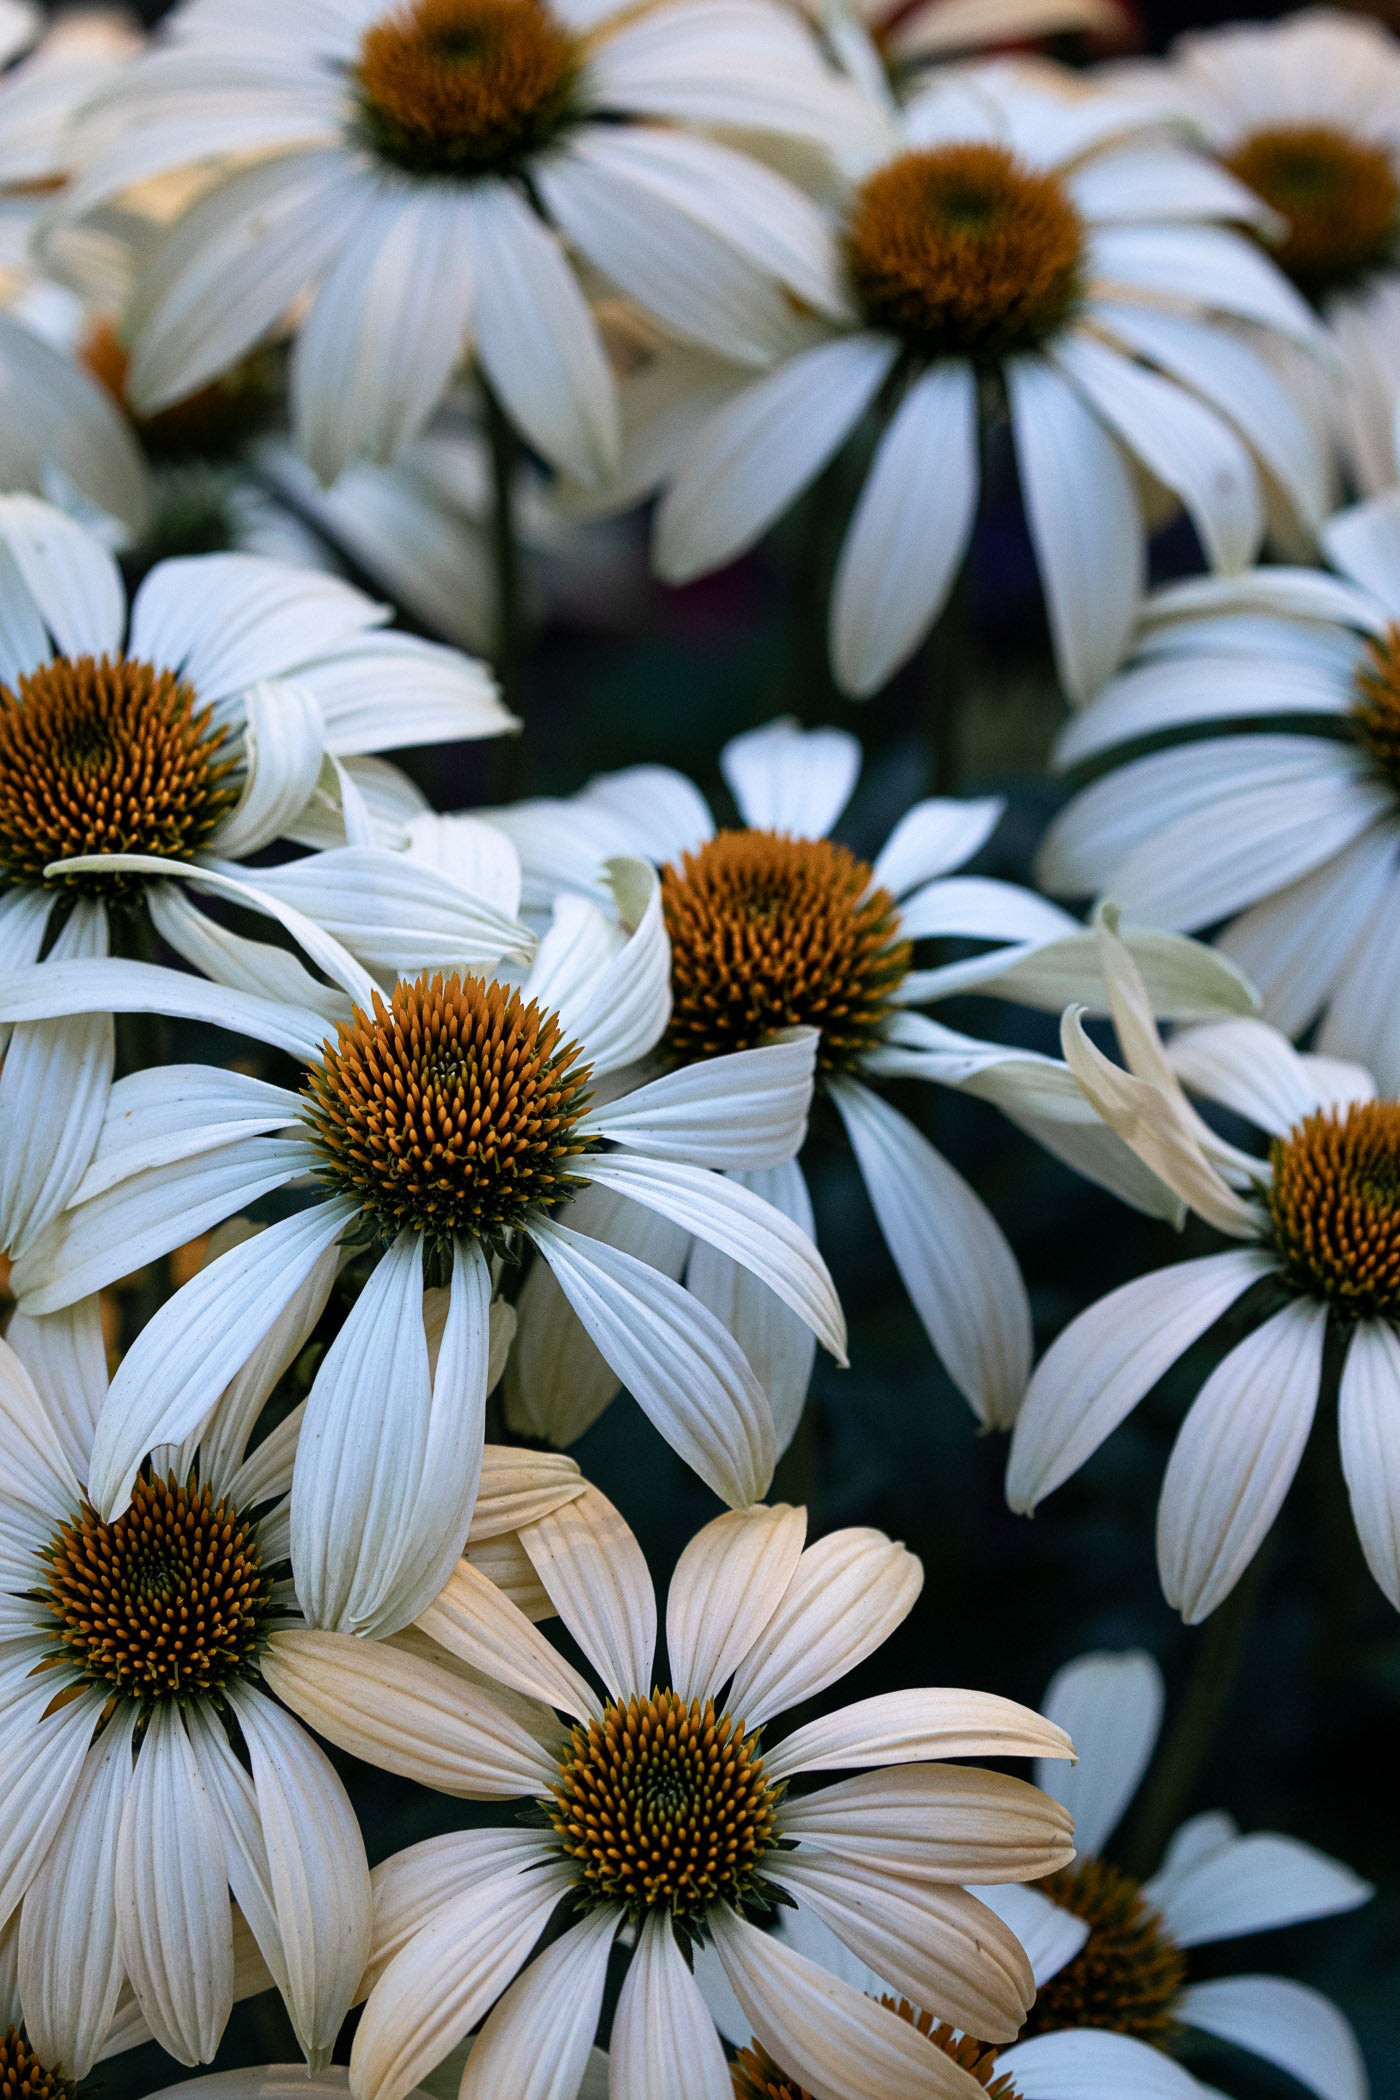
106	755
24	2077
771	932
465	87
451	1110
1338	196
961	251
1128	1975
1334	1206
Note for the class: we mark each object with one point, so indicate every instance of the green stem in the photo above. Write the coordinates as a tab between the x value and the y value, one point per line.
947	671
508	652
1180	1760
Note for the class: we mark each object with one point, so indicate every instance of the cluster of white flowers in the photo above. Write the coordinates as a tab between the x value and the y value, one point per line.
426	1133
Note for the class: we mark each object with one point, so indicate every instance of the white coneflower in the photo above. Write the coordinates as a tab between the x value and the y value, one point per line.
191	730
776	925
1318	1245
449	1125
879	1855
1305	112
421	164
1130	1974
1026	238
1275	809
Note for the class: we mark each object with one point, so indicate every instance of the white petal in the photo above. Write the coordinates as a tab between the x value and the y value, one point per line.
1095	2064
65	1355
662	813
785	778
317	1870
63	426
1093	1376
537	2040
1110	1705
118	987
224	1460
438	696
74	580
828	2036
680	1366
185	1356
933	837
1051	1937
1251	1069
446	1978
69	1966
934	1822
1235	1457
1288	2024
517	1487
53	1093
730	1217
727	1584
758	452
1363	542
414	1884
406	1715
378	350
747	1110
40	1484
42	1755
475	1621
849	1593
1369	1430
173	1917
596	1575
952	1255
1184	444
909	1726
536	337
909	531
1239	1885
663	2038
1205	266
283	737
780	1348
1084	521
619	1010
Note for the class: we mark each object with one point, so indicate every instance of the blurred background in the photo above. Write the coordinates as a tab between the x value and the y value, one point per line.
1305	1737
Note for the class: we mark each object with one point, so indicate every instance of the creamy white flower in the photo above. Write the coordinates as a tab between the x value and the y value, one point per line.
938	29
1306	111
1068	2064
409	193
879	1855
194	726
1053	241
1213	1884
777	925
59	432
129	1650
1316	1246
503	1116
1275	808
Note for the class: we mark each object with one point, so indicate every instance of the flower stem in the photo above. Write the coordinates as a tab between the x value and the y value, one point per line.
508	652
1177	1767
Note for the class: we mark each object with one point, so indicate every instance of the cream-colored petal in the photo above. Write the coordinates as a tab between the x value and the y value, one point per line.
415	1884
663	2037
590	1563
952	1823
518	1487
729	1581
850	1591
537	2041
481	1625
405	1715
906	1727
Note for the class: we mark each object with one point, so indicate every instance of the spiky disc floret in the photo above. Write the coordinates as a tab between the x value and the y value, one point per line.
451	1110
1129	1973
663	1804
1335	1204
23	2077
168	1600
106	755
771	932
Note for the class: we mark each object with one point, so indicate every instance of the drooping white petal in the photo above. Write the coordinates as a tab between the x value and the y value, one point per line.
910	1726
174	1928
826	2034
1084	521
596	1575
447	1976
1369	1429
40	1478
53	1094
726	1586
118	987
283	740
779	1346
413	1885
682	1368
537	2040
1110	1705
65	1355
70	1971
1235	1456
1093	1376
663	2038
224	1460
909	532
70	574
1288	2024
187	1353
1095	2064
1231	1885
933	837
1049	1935
850	1591
42	1755
1251	1068
747	1110
789	779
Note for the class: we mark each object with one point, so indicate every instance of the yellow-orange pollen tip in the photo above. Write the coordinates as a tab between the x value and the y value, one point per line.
23	2077
1335	1205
